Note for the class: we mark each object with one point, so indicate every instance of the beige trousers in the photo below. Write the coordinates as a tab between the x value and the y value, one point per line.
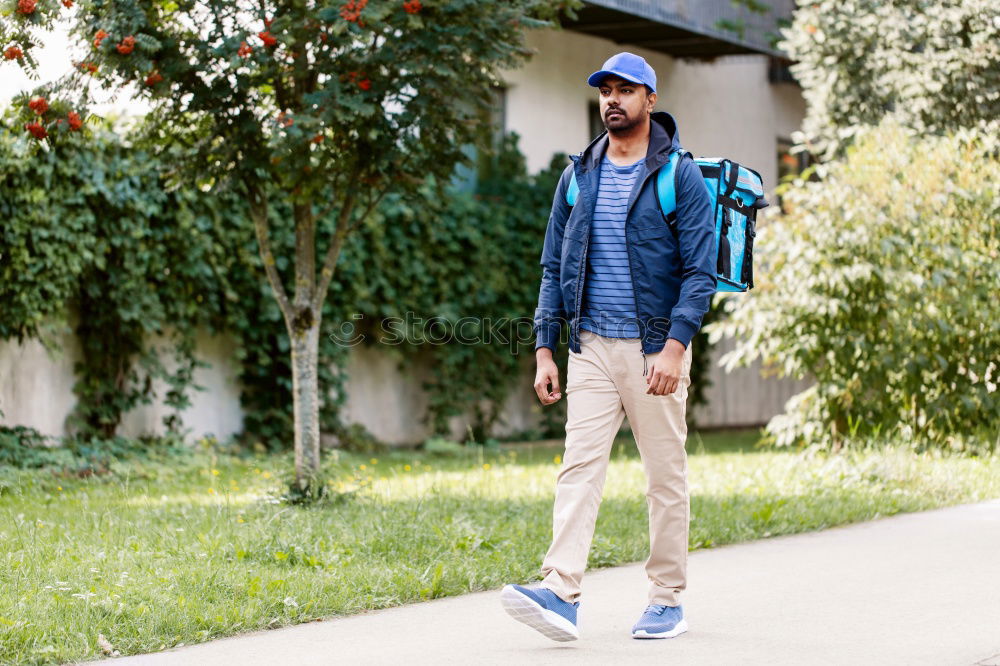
604	384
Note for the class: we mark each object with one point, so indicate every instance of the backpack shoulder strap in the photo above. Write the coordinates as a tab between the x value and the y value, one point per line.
573	191
665	186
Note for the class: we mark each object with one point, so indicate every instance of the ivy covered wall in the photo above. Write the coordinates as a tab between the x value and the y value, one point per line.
96	241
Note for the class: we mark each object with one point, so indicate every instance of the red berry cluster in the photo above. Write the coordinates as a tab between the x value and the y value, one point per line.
268	39
26	6
360	79
285	120
126	46
36	130
87	67
317	138
67	3
39	105
245	50
351	12
13	52
153	78
412	6
99	37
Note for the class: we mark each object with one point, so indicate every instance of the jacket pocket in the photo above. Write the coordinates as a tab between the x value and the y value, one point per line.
651	233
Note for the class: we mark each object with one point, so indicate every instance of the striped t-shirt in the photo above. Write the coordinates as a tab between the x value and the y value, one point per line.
608	298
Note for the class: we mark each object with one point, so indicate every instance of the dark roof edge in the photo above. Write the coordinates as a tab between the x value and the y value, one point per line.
672	19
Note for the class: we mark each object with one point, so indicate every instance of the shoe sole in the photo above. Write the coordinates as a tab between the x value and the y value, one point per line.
681	627
524	609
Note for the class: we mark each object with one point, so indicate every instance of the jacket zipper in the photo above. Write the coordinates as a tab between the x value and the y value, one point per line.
579	270
635	295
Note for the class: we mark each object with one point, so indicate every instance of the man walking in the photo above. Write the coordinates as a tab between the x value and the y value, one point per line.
634	291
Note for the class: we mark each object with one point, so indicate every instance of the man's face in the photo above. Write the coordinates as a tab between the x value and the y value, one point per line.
624	104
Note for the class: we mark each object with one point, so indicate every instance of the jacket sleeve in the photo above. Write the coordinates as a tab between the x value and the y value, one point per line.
696	234
551	311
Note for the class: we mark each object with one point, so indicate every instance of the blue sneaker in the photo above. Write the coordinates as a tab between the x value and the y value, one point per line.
660	622
540	608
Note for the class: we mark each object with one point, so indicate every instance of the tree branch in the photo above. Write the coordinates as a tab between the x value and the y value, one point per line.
258	212
336	242
371	206
333	204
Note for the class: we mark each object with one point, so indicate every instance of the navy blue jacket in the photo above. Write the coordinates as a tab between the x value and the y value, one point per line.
673	276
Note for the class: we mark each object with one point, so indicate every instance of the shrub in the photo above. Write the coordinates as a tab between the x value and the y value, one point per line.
880	281
936	63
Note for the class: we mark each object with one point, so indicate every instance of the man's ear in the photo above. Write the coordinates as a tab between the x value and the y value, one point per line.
651	100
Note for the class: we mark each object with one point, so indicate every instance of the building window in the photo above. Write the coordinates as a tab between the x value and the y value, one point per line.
498	115
595	122
494	129
779	71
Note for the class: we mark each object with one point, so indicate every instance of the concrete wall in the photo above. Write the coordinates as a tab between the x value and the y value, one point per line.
36	384
36	389
383	394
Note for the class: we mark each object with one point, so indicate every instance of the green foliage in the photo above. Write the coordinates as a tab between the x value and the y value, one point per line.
48	238
738	26
373	83
91	232
444	447
935	64
469	261
25	448
881	285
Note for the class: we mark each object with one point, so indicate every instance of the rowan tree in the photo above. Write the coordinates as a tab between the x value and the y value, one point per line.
328	105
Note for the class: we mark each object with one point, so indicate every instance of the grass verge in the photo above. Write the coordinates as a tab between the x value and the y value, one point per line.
160	554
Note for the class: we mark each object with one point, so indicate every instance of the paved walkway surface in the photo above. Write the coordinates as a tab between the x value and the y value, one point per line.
912	589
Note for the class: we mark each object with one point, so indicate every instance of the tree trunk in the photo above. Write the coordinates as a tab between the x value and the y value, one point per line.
305	393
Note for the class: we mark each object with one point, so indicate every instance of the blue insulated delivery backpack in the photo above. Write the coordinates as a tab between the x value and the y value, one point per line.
737	192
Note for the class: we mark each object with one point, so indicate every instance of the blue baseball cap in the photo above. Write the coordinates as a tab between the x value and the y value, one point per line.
629	66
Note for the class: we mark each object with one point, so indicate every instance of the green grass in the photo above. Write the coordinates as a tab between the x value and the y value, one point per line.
160	555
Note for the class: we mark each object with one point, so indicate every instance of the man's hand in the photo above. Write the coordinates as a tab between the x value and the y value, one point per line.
665	375
546	374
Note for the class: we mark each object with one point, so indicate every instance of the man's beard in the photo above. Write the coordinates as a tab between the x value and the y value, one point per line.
619	124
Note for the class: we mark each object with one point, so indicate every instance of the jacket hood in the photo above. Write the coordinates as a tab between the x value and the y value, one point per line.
664	138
